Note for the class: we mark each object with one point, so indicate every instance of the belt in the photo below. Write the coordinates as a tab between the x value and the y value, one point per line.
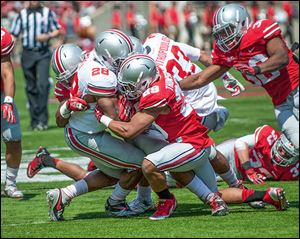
36	49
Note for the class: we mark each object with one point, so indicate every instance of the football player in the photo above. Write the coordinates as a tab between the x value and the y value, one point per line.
264	155
10	123
95	84
162	102
175	58
259	52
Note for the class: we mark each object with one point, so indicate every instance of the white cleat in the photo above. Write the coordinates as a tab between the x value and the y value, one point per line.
140	207
13	192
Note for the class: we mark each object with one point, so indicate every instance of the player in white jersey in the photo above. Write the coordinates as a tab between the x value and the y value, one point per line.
94	83
176	58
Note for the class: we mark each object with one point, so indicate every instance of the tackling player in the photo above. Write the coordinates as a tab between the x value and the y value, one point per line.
10	124
162	102
259	51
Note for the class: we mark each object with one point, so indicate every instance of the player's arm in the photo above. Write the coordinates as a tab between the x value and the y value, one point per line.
203	78
242	146
7	75
278	58
138	124
109	106
60	120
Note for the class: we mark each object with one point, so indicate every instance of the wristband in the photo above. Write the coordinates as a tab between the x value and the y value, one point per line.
8	99
257	70
64	111
105	120
246	165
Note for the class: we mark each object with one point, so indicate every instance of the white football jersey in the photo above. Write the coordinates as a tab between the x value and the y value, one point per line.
175	58
92	78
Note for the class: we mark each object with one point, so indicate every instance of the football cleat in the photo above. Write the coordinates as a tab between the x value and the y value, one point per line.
164	209
140	207
217	205
276	197
13	192
120	209
36	164
257	204
57	204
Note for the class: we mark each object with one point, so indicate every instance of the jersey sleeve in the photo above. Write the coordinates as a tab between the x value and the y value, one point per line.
103	84
7	43
191	52
61	92
267	29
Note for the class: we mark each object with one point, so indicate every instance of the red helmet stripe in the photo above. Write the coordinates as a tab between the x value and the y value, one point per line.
127	39
57	59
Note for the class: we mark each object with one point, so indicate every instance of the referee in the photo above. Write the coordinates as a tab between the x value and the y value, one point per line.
37	24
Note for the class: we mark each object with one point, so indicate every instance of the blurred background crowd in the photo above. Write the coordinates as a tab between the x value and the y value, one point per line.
185	21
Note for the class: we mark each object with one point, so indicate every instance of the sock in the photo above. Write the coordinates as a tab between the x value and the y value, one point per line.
48	161
144	193
164	194
229	177
119	194
250	195
11	175
198	187
76	189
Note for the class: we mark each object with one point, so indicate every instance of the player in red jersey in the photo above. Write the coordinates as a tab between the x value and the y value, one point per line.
259	51
10	125
263	155
161	102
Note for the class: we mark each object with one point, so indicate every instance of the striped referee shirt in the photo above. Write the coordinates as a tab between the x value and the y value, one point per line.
32	22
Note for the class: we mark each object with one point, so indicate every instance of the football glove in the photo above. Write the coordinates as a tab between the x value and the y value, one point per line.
232	85
248	70
8	113
77	104
254	177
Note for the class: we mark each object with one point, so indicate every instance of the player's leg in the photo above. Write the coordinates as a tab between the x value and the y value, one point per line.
287	119
43	159
11	135
273	196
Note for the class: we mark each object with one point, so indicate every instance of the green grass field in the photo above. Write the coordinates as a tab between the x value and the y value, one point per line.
85	217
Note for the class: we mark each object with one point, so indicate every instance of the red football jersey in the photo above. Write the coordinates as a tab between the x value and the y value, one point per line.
7	45
181	123
260	157
252	51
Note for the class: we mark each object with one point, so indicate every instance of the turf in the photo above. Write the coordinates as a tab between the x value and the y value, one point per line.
85	217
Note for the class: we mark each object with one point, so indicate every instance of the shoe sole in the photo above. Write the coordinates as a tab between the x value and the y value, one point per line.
284	204
52	202
222	212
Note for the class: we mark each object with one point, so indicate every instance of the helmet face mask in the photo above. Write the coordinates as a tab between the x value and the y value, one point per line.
136	74
231	22
283	152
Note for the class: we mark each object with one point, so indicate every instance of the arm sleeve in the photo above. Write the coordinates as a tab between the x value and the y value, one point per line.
54	25
248	139
191	52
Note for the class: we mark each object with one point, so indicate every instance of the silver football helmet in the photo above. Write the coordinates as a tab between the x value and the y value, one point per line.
65	60
113	46
137	45
283	152
136	74
230	23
